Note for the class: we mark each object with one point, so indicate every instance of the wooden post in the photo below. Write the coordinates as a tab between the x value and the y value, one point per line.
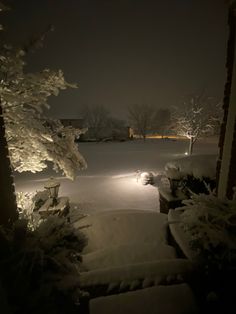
226	166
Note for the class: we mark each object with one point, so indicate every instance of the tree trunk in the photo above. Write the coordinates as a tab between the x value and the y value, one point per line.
8	207
190	148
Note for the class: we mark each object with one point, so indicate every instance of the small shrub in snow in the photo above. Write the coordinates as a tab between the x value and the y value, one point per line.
147	178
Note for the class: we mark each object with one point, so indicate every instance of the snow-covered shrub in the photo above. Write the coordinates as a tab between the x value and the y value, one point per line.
40	269
24	201
25	206
212	224
28	203
147	178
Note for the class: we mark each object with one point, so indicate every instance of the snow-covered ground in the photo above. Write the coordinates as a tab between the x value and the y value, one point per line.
110	180
127	248
174	299
127	245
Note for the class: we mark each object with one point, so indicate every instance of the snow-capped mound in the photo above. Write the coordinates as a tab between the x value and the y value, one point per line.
198	166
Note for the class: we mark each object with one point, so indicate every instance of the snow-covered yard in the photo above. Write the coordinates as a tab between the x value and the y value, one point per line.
128	251
110	180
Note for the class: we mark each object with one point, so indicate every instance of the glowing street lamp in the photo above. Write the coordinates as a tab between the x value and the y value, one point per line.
53	187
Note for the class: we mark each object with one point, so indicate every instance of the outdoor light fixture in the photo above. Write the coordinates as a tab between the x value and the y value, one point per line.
186	153
53	187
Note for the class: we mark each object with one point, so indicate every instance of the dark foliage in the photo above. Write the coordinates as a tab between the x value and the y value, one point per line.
39	270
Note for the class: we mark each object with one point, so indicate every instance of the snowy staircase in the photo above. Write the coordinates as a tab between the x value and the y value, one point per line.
128	260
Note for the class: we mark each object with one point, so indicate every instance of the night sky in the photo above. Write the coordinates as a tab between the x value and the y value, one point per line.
122	52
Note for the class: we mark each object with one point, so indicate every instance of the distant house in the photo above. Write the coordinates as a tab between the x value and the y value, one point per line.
105	133
121	133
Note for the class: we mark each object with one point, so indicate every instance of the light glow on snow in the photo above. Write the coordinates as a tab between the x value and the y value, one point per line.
126	183
124	175
110	181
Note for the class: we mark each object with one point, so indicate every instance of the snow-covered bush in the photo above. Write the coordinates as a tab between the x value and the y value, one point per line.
147	178
39	270
212	224
26	206
28	203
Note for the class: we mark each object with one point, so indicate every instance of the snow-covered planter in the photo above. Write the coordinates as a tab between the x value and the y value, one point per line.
206	232
211	223
192	174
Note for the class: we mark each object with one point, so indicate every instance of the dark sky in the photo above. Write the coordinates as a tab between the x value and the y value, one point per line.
122	52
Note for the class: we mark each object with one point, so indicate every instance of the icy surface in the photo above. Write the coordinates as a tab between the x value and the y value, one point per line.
174	299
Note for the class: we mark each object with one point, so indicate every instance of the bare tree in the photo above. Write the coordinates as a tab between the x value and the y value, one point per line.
196	117
141	117
95	119
162	120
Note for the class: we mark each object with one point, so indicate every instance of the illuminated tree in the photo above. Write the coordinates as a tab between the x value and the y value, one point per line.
27	137
32	138
141	118
197	116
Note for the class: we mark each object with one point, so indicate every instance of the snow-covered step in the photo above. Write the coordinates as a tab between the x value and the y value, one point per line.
173	299
151	270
